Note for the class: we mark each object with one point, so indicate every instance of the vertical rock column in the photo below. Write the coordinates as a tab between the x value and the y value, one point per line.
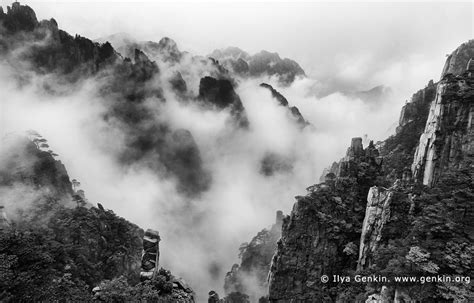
448	139
150	255
377	214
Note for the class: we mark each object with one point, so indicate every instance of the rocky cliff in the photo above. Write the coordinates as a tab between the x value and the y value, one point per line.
355	222
321	234
448	138
457	60
250	276
220	93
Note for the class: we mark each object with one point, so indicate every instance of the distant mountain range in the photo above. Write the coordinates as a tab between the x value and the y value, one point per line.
399	207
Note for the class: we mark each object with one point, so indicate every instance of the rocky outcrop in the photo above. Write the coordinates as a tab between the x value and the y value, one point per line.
398	150
349	166
49	49
308	249
150	255
320	235
310	245
221	95
31	163
417	105
271	64
250	277
293	110
59	250
457	61
181	157
166	49
448	139
376	215
275	94
18	17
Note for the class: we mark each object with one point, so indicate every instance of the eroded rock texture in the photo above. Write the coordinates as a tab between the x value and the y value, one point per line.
448	139
321	234
150	254
417	106
250	277
457	61
376	215
435	135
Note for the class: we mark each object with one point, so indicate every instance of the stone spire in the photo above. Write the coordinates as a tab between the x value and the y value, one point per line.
279	218
150	255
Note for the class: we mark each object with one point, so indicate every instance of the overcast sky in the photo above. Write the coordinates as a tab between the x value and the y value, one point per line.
351	45
357	44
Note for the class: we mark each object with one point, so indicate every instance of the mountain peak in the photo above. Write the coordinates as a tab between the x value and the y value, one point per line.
260	64
457	61
19	17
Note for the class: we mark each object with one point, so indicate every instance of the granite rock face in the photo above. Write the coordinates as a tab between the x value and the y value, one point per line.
250	277
320	235
434	136
350	164
417	105
448	139
376	215
457	61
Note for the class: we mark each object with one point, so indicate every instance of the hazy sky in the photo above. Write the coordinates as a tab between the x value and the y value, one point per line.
356	44
348	45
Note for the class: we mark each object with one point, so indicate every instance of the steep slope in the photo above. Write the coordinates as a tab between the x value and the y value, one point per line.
448	139
320	235
127	85
355	222
457	60
292	110
221	94
56	246
250	277
54	241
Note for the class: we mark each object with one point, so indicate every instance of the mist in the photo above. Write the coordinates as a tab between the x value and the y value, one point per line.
348	45
201	235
